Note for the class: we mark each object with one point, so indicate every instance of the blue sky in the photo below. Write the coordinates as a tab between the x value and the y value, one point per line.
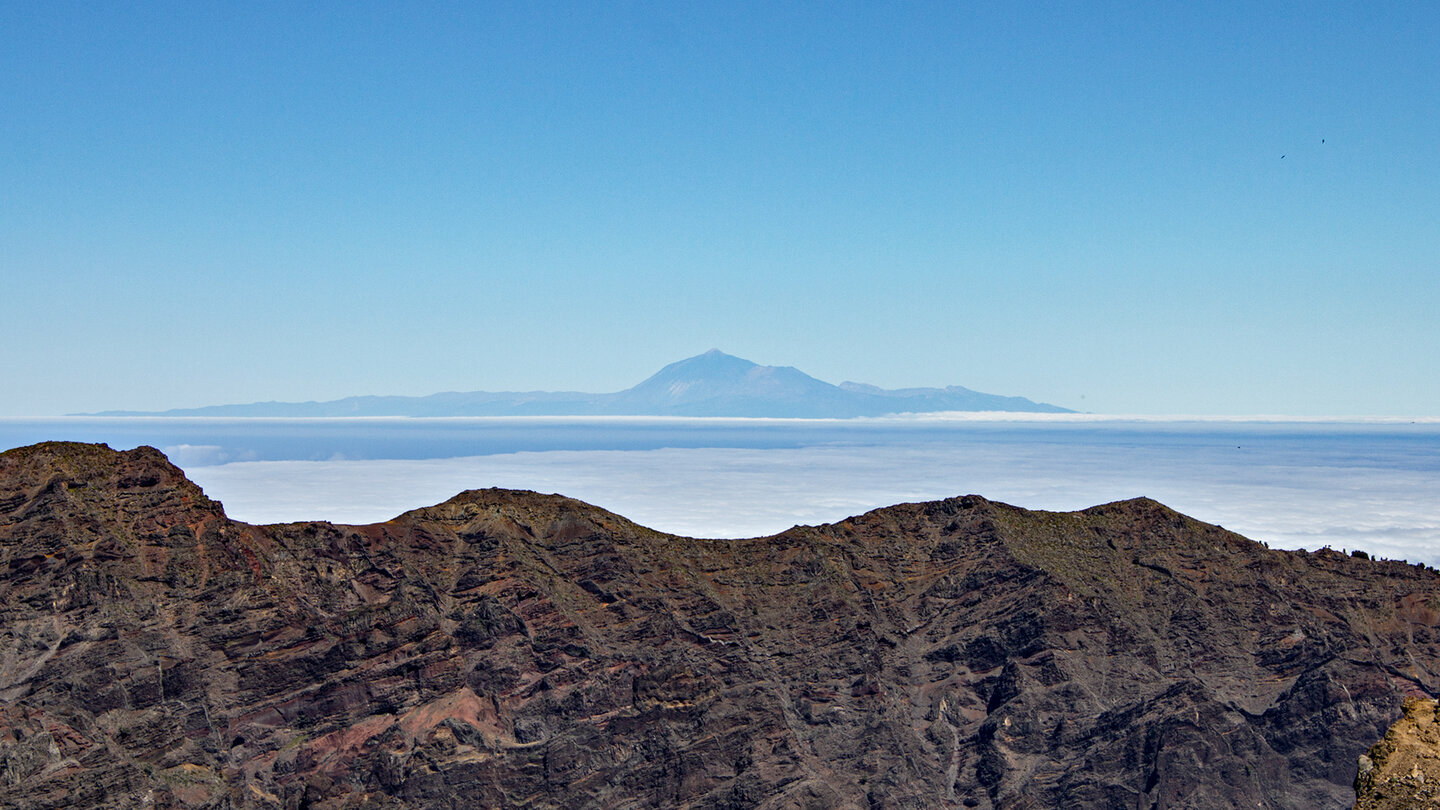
1081	203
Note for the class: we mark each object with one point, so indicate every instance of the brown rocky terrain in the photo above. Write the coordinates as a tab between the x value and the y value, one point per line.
510	649
1402	771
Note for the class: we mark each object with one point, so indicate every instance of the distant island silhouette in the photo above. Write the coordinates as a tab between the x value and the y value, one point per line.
709	384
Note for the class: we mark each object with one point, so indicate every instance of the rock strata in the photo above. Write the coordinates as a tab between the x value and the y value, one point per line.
511	649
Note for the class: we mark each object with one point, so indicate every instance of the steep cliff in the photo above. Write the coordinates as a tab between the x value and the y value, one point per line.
510	649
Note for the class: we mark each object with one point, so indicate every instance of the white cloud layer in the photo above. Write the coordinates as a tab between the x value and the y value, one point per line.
1290	495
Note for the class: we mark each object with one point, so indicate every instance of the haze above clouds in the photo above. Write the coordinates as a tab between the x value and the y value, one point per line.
1286	497
1221	208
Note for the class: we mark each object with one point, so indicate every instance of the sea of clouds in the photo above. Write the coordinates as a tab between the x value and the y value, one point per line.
1349	484
1318	486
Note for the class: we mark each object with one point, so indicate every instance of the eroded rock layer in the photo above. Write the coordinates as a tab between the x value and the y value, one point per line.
509	649
1402	771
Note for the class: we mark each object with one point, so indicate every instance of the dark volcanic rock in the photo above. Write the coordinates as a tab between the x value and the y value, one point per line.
514	649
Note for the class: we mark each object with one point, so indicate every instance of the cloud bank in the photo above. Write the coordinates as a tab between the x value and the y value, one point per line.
1288	494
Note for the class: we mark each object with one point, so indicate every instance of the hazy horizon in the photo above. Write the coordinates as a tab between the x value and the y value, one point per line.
1219	209
1370	484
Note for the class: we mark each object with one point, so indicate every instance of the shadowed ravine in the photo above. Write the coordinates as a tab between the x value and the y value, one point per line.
510	649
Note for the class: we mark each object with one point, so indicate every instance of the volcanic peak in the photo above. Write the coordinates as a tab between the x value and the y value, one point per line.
709	384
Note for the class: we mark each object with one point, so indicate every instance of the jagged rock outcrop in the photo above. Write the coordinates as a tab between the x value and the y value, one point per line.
509	649
1402	771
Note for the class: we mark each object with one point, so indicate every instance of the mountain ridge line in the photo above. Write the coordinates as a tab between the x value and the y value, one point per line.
505	647
709	384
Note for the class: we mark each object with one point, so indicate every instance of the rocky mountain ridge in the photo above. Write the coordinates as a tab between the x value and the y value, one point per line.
709	384
510	649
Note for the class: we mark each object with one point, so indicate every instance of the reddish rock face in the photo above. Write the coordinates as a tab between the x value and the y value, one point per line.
513	649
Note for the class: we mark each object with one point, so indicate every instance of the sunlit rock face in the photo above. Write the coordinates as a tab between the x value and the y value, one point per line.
513	649
1402	771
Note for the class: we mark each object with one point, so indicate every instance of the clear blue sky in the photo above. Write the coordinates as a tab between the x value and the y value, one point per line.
1121	207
